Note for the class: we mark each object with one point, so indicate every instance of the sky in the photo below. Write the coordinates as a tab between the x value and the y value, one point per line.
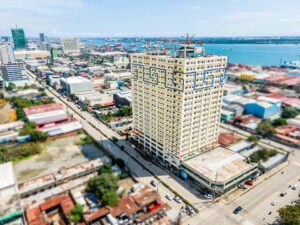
151	18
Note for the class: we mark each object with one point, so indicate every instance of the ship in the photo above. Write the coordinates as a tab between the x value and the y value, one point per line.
227	49
290	65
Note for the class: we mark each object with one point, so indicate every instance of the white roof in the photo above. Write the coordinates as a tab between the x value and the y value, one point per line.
74	80
7	177
63	128
38	116
239	146
268	99
6	126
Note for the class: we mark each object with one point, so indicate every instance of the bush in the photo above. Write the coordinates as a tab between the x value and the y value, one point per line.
76	213
123	175
253	138
254	157
111	198
273	152
38	135
279	122
265	129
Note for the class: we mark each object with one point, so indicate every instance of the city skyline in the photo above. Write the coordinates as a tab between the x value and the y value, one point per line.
92	18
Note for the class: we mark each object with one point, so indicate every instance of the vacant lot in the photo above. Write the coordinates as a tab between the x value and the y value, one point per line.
62	152
4	113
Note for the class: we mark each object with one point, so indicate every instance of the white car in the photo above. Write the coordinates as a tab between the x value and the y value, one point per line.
108	146
295	186
208	196
177	199
274	202
168	197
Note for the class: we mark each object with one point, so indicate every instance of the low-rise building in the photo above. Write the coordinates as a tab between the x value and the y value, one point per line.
76	84
218	170
227	139
123	98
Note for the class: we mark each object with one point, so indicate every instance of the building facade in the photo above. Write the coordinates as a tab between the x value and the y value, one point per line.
43	37
70	46
76	85
7	53
177	102
14	72
18	35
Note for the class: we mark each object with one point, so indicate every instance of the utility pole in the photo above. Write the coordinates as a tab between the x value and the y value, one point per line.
214	192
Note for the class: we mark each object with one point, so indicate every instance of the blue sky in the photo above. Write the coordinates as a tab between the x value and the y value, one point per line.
102	18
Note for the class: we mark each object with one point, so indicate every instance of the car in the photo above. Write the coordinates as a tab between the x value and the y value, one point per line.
295	186
241	186
294	203
249	182
168	197
189	209
282	194
274	203
177	199
208	196
237	210
108	146
132	146
152	182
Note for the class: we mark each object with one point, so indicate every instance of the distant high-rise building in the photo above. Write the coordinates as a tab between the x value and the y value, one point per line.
53	53
18	35
43	37
7	53
70	46
5	38
14	72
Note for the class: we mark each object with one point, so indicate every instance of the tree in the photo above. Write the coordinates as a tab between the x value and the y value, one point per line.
20	114
101	184
38	135
273	152
253	138
11	86
114	139
264	154
76	213
265	129
27	129
106	168
125	111
3	151
290	215
111	198
84	107
254	157
120	163
289	113
99	106
279	122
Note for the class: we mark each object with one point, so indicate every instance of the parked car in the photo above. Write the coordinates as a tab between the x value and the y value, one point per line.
208	196
152	182
249	182
295	186
189	209
177	199
274	203
241	186
168	197
282	194
237	210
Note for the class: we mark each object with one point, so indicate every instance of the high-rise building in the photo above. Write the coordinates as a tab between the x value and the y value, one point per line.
7	53
70	46
176	102
43	37
18	35
14	72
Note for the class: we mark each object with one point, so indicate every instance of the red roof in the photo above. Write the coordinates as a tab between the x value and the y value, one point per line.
291	101
35	215
95	214
273	89
42	108
275	95
285	129
126	205
108	104
227	139
275	78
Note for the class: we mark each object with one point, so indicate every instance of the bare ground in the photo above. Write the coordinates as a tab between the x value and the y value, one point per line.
61	152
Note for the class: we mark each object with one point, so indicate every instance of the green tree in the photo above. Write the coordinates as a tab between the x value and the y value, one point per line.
3	151
76	215
114	139
273	152
84	107
125	111
106	168
27	129
253	138
101	184
120	163
21	114
11	86
254	157
279	122
38	135
290	215
265	129
264	154
99	106
289	113
111	198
